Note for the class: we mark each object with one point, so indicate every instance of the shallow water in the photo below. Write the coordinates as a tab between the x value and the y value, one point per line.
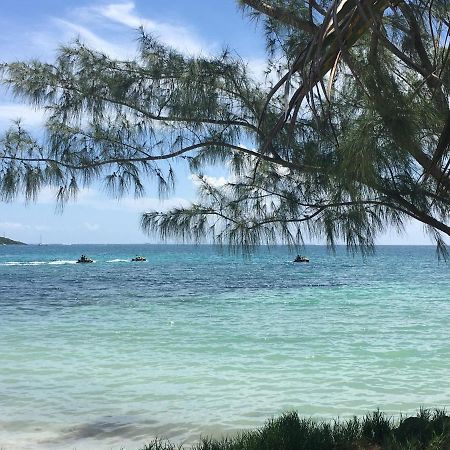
195	341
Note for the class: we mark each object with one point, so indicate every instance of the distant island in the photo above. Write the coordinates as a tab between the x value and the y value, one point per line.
6	241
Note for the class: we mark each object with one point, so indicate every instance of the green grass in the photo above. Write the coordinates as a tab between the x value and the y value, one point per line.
429	430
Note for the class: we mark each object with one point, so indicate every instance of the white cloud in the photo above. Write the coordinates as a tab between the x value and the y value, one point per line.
17	226
257	68
30	116
414	233
151	204
110	28
12	226
91	226
282	171
42	41
131	204
213	181
48	195
179	37
42	227
93	198
85	35
122	13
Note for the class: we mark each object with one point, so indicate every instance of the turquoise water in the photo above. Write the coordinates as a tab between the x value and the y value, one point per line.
195	341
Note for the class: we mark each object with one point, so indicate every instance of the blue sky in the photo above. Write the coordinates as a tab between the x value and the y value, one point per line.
34	29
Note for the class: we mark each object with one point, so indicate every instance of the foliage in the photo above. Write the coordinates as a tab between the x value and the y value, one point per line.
431	431
348	134
6	241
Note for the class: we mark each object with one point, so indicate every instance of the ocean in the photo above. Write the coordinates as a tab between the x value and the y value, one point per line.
198	341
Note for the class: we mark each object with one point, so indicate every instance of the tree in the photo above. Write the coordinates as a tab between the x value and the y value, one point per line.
348	134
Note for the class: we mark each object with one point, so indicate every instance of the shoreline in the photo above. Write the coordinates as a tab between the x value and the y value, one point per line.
427	429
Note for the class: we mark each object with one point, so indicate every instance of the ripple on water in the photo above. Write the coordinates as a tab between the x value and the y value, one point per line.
197	343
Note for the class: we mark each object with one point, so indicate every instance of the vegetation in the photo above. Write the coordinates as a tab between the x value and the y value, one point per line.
348	132
6	241
427	431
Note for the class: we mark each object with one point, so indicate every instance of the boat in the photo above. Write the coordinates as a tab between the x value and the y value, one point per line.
139	258
301	259
84	259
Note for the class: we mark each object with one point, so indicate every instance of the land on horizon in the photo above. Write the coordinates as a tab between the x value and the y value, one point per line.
7	241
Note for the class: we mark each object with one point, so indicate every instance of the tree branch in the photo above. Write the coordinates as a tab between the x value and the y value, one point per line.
281	15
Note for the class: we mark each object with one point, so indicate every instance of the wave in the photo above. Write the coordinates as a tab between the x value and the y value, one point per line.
59	262
23	263
118	260
37	263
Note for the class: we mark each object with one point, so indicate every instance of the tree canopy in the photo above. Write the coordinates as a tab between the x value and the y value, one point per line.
346	134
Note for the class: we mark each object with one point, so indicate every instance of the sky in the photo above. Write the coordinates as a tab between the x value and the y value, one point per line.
35	29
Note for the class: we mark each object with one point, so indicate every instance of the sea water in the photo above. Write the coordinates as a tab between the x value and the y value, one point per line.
198	341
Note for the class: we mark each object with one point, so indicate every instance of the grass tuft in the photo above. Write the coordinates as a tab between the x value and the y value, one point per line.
428	430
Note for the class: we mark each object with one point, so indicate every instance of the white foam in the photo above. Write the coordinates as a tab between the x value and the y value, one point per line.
61	262
23	263
117	260
37	263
